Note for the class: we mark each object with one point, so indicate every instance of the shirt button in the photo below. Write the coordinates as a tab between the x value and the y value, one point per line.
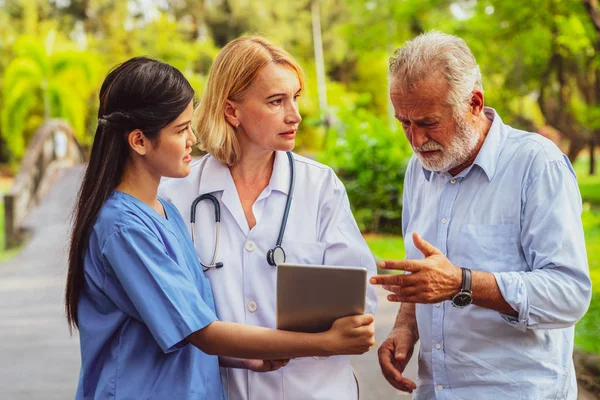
250	246
252	306
444	220
438	346
437	305
440	387
453	181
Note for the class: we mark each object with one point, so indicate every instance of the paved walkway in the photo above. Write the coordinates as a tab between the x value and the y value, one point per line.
38	358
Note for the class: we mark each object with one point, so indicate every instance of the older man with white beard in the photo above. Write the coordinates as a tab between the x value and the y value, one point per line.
496	261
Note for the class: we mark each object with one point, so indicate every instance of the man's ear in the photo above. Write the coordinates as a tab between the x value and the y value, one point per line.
231	113
476	103
138	142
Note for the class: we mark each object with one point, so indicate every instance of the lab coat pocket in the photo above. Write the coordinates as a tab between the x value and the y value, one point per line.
304	252
493	248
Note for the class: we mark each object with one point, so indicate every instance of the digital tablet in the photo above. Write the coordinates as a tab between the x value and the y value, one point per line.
311	297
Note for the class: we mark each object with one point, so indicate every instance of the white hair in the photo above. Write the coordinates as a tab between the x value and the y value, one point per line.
438	52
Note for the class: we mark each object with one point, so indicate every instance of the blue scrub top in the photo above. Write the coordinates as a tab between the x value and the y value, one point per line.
144	293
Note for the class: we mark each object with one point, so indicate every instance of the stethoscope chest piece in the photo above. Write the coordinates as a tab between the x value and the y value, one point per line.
276	256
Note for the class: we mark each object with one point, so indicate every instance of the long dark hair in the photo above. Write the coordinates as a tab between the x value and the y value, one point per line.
141	93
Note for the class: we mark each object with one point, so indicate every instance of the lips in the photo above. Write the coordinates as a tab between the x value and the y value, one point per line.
289	134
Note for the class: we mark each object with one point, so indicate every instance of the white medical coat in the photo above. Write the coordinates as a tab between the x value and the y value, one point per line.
320	230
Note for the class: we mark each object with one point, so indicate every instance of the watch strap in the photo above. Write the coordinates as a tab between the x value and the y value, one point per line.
466	283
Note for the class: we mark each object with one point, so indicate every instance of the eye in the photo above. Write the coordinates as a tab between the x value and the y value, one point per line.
276	102
184	130
296	96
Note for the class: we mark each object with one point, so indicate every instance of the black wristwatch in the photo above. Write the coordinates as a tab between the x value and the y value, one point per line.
465	296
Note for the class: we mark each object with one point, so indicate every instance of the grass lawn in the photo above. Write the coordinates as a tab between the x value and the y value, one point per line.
587	330
588	185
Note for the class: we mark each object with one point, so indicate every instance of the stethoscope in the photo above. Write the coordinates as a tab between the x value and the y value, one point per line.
276	255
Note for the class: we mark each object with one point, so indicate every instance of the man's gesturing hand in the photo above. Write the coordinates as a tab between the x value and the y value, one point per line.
431	280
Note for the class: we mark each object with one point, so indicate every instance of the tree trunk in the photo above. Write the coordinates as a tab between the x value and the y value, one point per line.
575	146
592	155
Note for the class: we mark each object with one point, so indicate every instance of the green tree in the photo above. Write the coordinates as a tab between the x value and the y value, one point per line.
44	80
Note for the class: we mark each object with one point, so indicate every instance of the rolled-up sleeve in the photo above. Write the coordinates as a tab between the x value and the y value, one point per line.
344	242
154	287
556	290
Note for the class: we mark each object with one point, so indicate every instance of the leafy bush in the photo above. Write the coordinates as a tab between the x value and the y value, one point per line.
370	158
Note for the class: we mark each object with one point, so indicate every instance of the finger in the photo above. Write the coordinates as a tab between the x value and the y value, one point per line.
386	363
402	265
403	280
401	285
393	264
407	385
407	295
391	373
403	385
424	246
394	280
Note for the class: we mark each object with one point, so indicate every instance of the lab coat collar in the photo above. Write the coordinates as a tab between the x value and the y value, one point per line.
280	178
216	177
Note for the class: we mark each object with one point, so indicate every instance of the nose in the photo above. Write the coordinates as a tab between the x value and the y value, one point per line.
416	136
191	137
292	115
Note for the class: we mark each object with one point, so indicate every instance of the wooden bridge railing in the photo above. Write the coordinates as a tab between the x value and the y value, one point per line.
54	146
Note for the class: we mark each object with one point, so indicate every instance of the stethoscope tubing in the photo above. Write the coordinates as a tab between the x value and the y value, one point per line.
217	208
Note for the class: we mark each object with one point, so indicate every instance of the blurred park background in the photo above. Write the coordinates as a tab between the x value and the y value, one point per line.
540	62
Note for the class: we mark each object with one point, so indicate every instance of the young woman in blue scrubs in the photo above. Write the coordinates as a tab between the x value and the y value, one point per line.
135	288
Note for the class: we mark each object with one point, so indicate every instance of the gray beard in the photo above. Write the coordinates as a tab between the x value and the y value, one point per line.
458	152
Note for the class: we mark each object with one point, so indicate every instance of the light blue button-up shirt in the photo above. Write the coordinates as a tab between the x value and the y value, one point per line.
515	212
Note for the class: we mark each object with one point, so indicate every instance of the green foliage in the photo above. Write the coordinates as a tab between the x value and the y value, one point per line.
370	158
42	81
586	337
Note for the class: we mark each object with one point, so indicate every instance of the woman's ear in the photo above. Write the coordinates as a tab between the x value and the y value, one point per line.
138	142
231	113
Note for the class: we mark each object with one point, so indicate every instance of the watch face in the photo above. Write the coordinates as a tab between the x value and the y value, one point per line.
462	299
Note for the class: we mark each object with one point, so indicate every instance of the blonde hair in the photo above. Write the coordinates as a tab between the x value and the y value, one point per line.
233	71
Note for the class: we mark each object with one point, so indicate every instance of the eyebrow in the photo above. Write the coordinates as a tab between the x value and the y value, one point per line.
182	124
420	120
282	94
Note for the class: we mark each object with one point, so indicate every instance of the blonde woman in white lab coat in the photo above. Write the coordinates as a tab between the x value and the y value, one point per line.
246	121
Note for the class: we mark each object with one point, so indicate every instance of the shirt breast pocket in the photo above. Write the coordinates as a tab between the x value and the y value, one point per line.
303	252
493	248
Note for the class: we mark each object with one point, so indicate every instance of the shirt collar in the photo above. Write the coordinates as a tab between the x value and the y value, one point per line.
487	158
215	176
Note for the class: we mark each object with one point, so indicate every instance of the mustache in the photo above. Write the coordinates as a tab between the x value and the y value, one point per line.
429	146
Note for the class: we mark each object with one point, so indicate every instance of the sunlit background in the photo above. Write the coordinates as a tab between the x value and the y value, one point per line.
540	61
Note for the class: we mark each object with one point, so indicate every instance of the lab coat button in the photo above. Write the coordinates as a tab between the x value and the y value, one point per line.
250	246
252	306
